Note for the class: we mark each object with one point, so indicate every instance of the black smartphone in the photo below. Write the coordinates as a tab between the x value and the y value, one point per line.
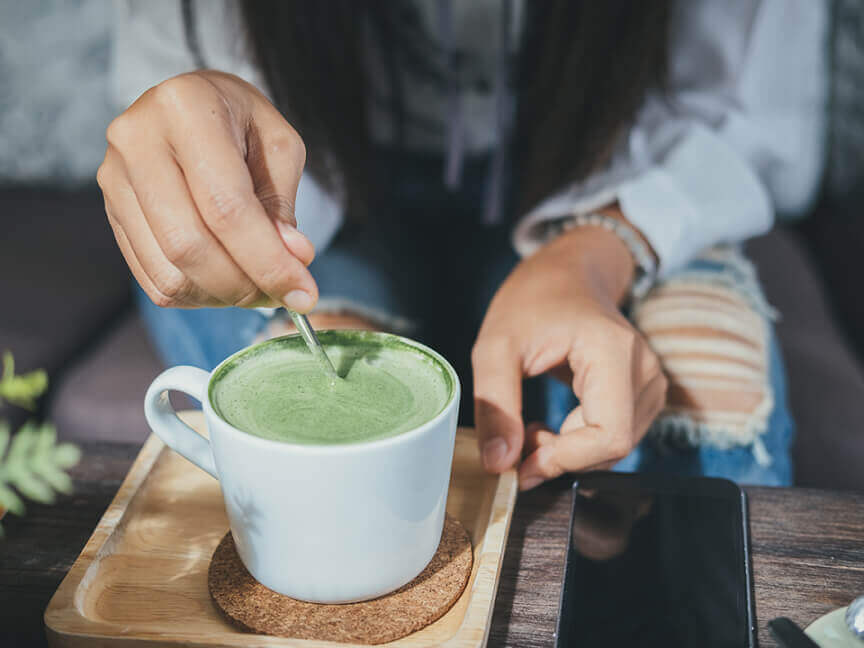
657	560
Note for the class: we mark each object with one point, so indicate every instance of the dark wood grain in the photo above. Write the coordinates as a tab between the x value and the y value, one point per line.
808	549
808	558
526	608
808	552
40	548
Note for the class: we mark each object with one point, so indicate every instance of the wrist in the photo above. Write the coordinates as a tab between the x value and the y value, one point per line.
614	211
609	270
598	261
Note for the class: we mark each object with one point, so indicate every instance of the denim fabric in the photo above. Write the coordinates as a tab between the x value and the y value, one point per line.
766	462
740	464
205	337
201	337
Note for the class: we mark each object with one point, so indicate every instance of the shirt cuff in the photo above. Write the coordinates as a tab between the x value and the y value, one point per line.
528	236
703	193
700	194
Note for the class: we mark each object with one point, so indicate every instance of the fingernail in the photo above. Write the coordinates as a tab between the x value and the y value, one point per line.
494	451
289	232
530	482
298	300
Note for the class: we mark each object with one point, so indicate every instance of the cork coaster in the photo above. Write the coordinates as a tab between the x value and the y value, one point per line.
249	605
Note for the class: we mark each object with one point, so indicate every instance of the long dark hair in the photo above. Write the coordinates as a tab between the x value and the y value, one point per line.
583	69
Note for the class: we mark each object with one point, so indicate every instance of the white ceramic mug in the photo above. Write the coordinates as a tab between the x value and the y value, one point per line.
329	523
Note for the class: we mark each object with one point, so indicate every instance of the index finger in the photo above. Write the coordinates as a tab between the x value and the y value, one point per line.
498	403
597	433
224	193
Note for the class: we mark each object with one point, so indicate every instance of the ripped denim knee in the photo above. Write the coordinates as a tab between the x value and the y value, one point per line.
710	325
726	413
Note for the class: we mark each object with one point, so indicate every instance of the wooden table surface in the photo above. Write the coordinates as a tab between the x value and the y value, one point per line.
808	551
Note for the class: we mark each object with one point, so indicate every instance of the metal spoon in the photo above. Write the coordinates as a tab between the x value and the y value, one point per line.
314	344
855	617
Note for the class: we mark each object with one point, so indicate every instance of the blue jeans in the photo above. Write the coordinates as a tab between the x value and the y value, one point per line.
204	337
403	277
740	464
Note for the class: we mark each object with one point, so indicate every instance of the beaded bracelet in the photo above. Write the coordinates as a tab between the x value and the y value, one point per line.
646	266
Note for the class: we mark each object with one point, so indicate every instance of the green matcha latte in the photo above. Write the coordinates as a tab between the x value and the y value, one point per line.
276	390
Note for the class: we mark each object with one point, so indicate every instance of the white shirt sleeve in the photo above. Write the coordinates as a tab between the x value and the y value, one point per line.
738	135
149	46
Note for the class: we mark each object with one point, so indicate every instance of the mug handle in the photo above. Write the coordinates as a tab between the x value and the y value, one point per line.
163	420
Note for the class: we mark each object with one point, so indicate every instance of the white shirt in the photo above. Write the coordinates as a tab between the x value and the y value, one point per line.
738	135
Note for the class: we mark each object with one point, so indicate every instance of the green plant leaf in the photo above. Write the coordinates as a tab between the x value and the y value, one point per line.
21	390
56	478
22	442
44	459
10	501
66	455
46	438
35	464
32	487
32	464
4	438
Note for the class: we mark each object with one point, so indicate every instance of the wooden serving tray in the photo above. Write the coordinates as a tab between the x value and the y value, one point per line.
141	579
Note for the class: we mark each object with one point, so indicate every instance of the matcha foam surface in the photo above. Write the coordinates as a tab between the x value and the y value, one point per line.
276	390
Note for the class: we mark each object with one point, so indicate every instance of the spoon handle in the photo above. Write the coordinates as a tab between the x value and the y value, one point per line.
314	344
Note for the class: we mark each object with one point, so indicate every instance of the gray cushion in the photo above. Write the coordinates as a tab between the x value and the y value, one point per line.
61	275
826	383
837	245
101	397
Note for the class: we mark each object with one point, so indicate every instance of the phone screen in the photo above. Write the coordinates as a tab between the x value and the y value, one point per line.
656	561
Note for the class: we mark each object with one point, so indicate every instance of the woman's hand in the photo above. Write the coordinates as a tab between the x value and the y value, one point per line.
558	312
199	180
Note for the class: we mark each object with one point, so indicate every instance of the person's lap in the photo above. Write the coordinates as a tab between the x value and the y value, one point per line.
353	280
727	416
769	464
409	274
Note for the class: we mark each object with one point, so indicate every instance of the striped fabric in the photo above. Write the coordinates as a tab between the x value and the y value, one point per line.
710	327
